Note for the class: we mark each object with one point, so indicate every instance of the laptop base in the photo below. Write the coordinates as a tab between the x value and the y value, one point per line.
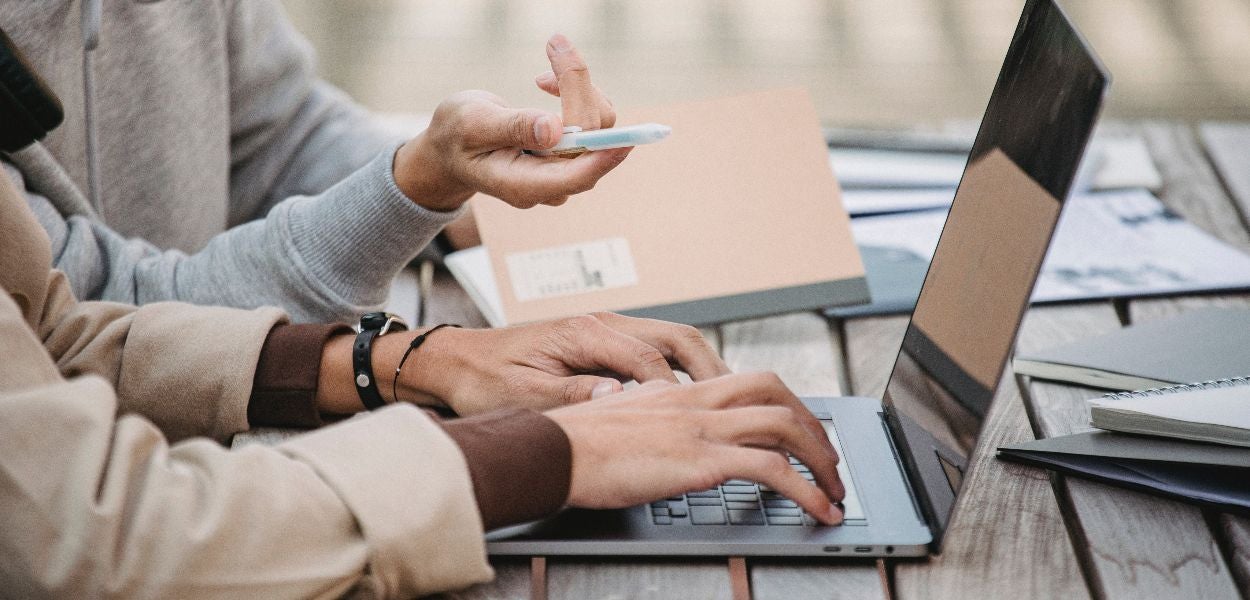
892	525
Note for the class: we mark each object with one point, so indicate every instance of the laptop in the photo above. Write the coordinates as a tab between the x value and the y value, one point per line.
904	456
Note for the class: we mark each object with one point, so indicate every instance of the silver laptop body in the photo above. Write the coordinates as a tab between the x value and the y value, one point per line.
903	457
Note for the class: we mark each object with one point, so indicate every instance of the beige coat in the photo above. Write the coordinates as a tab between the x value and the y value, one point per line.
106	490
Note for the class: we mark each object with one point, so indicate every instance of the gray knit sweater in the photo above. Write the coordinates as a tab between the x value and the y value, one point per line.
224	172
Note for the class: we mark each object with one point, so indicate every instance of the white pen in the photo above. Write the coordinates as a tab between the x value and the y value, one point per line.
575	141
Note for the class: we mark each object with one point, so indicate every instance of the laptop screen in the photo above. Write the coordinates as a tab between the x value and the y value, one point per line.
1019	172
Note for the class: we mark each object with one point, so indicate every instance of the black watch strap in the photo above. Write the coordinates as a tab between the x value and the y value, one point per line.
362	366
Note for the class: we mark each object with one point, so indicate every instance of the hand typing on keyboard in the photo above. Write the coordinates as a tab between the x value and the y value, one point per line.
661	440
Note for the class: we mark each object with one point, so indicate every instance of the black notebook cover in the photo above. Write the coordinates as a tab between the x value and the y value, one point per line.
1200	345
1206	474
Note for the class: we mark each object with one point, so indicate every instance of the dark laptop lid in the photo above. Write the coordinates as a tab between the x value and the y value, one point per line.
1021	168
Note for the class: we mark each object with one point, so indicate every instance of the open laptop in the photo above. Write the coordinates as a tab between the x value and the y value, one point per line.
903	457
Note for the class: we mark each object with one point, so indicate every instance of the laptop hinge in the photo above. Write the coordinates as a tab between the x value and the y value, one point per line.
914	496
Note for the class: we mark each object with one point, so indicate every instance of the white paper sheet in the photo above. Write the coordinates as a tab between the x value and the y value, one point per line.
1109	244
1111	163
878	201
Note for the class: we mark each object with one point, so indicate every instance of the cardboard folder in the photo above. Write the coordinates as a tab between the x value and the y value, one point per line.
736	215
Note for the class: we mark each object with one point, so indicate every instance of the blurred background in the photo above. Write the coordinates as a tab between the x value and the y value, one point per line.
878	63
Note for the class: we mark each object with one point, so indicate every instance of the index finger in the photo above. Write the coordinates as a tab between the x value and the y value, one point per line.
682	344
579	102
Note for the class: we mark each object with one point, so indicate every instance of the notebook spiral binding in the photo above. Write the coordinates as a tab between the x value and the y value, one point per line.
1188	387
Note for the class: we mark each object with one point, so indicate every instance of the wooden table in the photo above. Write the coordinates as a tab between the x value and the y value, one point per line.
1018	531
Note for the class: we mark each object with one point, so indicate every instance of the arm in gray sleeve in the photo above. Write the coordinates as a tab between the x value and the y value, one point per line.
327	257
292	133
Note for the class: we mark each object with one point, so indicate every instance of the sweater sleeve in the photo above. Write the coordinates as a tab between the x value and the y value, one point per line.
318	225
323	258
96	505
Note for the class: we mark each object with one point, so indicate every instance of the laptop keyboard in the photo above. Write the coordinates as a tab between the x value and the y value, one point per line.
739	502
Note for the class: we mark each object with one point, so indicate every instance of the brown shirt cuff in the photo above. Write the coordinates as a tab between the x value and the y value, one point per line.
520	463
284	391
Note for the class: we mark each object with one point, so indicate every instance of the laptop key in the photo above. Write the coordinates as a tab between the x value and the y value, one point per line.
741	497
704	494
784	520
704	502
677	511
738	489
742	505
746	517
663	520
659	512
780	504
707	515
782	512
660	504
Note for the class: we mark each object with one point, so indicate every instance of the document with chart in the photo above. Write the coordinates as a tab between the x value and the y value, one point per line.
1109	245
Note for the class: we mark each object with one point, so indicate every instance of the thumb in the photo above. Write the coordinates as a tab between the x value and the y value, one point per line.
503	127
581	388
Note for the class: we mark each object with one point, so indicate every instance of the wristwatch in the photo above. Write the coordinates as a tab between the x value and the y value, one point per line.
372	325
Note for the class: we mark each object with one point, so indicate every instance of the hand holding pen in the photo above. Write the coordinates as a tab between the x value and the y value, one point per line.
476	143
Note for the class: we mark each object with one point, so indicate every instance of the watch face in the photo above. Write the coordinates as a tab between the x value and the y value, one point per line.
378	320
373	320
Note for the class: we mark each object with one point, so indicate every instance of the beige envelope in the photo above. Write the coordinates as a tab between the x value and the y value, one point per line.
737	214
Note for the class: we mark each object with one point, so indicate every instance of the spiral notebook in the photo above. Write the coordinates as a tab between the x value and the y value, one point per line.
1216	412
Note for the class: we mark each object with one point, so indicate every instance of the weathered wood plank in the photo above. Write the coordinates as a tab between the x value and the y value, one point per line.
512	582
585	579
805	351
871	346
1132	543
792	579
1228	146
1008	536
1191	188
1226	206
800	347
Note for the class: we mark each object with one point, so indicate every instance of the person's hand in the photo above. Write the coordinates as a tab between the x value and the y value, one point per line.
659	440
543	365
474	144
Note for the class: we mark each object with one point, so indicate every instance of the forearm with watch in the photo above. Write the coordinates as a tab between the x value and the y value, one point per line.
306	374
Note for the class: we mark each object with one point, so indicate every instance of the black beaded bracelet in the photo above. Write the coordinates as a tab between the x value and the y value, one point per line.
412	346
